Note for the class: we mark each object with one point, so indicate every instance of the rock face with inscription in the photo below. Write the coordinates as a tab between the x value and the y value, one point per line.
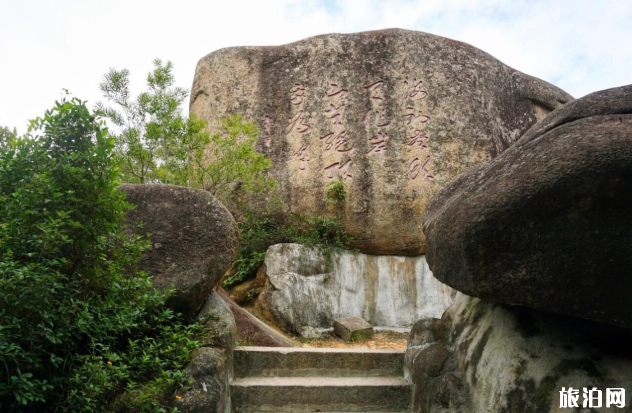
395	114
548	223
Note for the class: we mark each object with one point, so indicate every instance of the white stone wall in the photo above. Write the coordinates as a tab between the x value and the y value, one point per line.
388	291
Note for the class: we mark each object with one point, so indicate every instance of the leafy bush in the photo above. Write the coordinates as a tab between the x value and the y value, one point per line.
232	164
259	231
336	194
79	323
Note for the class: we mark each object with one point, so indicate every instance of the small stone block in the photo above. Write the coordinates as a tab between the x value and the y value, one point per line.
353	328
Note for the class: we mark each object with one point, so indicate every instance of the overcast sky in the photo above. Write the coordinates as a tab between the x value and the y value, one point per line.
47	45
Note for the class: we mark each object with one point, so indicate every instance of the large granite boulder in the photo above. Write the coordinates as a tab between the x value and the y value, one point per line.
395	114
548	223
194	239
496	358
305	292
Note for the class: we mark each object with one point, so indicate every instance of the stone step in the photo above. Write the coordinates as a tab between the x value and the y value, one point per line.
311	362
320	394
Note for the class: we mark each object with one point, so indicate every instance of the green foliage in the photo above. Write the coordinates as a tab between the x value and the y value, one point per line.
233	164
336	194
154	141
259	231
251	294
8	138
79	323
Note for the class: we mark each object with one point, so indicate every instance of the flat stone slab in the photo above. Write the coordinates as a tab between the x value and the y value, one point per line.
310	362
327	394
353	328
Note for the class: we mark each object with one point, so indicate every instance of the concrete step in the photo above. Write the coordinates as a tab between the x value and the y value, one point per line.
320	394
311	362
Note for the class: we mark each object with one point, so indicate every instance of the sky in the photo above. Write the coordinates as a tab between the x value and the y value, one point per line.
50	45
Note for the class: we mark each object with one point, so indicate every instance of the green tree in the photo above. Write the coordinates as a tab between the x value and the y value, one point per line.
8	138
79	323
232	163
154	141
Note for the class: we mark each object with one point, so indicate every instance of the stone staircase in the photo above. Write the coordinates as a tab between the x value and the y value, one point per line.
280	379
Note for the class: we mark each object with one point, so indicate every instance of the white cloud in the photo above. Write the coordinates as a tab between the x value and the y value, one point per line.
47	45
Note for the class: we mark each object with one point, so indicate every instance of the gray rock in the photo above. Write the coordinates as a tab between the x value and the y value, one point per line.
209	376
194	239
305	294
250	330
221	329
499	359
395	114
547	224
353	328
217	316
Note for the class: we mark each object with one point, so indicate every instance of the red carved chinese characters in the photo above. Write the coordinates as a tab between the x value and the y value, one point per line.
415	118
342	169
376	118
298	122
376	90
414	89
412	116
302	156
335	98
297	94
337	141
336	92
335	112
419	139
415	166
378	143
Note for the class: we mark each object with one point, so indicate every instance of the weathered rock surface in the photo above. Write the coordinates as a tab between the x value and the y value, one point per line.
548	223
353	328
495	358
305	294
209	376
250	330
194	239
211	368
395	114
217	316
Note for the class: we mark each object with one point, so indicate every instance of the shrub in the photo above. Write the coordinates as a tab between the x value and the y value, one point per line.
79	323
259	231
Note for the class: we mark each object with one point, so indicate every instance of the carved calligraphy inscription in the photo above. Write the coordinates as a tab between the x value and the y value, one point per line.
335	99
415	118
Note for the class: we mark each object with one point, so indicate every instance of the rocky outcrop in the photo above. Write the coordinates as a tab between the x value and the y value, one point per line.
193	240
250	330
395	114
548	223
211	367
305	293
495	358
210	391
